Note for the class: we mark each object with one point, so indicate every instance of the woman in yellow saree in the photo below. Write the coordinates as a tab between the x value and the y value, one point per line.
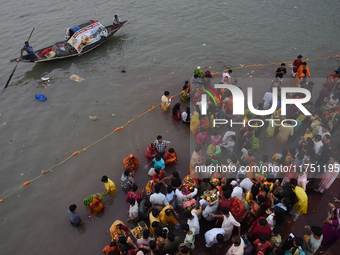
195	123
118	229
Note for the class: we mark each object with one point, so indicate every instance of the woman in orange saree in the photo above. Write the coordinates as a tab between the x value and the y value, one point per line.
170	157
131	163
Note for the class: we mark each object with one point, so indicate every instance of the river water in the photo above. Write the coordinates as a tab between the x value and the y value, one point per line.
159	50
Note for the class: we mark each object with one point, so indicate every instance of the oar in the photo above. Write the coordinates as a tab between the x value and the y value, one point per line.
10	77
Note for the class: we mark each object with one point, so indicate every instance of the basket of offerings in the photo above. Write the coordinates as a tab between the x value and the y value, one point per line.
137	232
188	203
210	196
89	199
215	182
189	182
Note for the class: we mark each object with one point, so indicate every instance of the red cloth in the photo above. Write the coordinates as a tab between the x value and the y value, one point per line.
45	51
160	177
297	63
257	229
150	152
225	203
262	247
238	209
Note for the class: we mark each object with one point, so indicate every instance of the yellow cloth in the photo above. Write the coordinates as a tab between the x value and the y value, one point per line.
114	231
165	103
302	203
152	219
283	135
276	157
110	186
194	123
308	135
167	219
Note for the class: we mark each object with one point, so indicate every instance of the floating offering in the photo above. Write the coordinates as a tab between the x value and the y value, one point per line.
76	78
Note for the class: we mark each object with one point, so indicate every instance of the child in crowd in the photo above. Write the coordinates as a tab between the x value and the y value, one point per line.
133	211
248	239
262	244
275	240
109	185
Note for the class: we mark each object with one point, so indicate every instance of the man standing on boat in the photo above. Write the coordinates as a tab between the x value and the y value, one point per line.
30	52
116	22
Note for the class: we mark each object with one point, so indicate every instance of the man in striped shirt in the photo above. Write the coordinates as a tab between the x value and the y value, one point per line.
161	145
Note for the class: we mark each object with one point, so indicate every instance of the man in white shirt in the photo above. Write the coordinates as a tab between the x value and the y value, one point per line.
192	221
237	191
267	98
213	236
115	22
226	136
158	199
184	193
238	246
323	130
228	223
210	209
318	144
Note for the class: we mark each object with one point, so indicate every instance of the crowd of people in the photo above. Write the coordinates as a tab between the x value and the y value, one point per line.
258	195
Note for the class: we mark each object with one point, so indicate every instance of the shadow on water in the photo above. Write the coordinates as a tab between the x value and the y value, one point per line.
81	229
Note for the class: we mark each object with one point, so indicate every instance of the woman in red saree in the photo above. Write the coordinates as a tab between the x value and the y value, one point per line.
331	80
159	176
170	157
176	112
238	209
131	163
96	206
151	151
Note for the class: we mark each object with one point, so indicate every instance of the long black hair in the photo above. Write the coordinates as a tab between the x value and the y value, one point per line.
175	109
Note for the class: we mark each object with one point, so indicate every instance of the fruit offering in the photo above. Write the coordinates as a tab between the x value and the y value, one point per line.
215	182
210	195
88	200
137	232
188	203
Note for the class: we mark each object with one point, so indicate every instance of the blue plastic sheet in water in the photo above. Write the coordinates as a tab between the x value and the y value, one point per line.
40	97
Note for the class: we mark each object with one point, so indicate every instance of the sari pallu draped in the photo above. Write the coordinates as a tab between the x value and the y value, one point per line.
131	166
170	158
150	152
96	206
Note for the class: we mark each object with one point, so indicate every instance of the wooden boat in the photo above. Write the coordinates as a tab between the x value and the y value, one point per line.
64	49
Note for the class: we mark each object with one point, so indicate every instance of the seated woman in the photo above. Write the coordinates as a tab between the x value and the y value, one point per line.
176	112
332	79
131	163
216	139
118	229
134	194
185	93
149	188
257	209
96	206
214	153
170	157
159	176
202	138
151	151
204	122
